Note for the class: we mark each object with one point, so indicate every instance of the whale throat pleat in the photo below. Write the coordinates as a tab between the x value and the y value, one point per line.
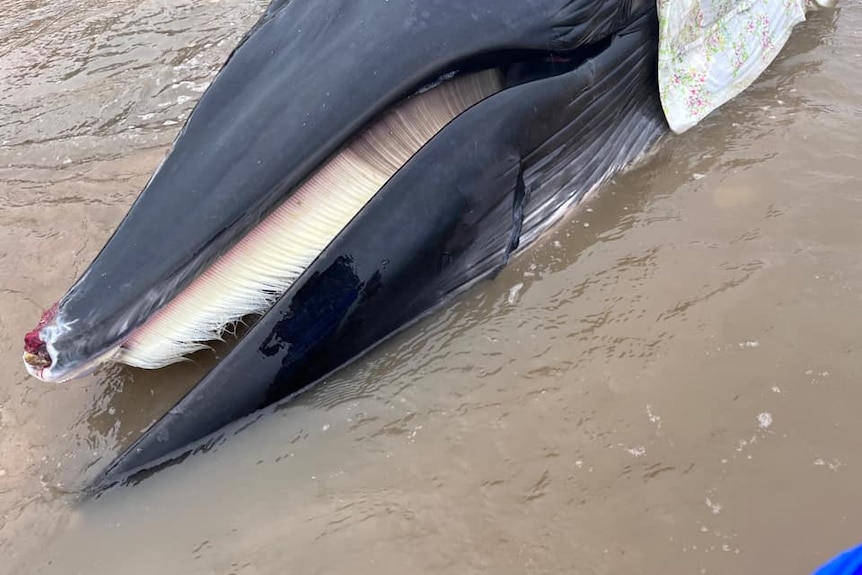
261	267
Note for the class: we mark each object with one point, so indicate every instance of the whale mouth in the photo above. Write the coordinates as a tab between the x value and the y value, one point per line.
250	276
42	365
226	284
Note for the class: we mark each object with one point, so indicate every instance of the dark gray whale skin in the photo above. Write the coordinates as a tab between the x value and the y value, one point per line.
484	186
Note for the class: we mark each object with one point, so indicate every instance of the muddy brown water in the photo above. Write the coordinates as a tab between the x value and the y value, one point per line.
667	383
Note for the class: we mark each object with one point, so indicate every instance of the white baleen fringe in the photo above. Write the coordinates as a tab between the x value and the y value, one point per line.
260	268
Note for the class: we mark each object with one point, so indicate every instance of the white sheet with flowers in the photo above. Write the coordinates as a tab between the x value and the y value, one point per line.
711	50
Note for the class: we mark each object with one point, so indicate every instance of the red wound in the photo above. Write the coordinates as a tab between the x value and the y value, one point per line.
33	341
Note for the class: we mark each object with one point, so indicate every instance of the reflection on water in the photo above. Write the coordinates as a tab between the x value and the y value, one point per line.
664	382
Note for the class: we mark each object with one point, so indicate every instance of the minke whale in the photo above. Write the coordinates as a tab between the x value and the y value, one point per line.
353	165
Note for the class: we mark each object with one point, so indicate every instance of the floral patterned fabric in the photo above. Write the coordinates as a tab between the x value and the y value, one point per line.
711	50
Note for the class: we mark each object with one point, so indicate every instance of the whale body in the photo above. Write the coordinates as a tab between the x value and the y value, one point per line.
353	166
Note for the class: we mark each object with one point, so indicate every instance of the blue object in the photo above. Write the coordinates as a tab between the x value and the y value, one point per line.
847	563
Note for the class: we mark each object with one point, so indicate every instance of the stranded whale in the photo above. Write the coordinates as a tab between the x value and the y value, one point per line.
354	164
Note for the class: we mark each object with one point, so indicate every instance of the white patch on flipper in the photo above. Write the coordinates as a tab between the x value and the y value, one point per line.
260	268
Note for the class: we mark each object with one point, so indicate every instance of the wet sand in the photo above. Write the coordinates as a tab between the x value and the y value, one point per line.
666	383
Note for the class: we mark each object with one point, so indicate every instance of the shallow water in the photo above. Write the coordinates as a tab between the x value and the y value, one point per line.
666	383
